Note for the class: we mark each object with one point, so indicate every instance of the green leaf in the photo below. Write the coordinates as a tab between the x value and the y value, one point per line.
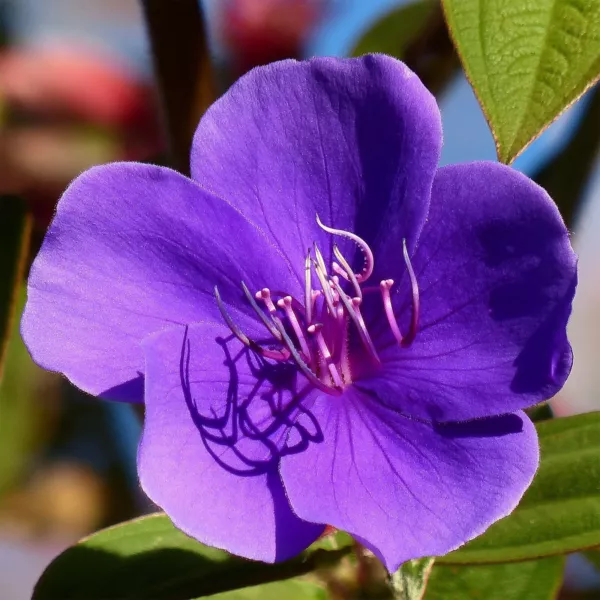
527	61
410	580
292	589
560	512
396	30
593	556
149	558
15	232
531	580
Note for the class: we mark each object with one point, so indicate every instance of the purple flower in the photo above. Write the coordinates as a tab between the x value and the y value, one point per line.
324	326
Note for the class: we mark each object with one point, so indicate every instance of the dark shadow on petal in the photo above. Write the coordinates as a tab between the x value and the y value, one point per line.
546	359
248	433
479	428
519	254
533	281
130	391
387	401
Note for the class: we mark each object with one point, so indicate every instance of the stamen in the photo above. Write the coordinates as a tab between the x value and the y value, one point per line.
352	307
320	260
265	296
334	294
320	350
326	287
308	298
337	335
301	364
385	287
414	322
364	247
316	330
342	350
314	294
242	337
286	305
268	324
346	270
296	304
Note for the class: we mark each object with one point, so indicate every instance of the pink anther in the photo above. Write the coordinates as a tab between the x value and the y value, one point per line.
385	287
265	296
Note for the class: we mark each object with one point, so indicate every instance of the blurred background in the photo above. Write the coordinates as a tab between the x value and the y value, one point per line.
76	89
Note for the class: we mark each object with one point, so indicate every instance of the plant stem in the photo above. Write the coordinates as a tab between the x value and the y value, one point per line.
179	44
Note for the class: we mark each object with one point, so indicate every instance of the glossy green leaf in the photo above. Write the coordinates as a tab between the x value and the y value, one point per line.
526	59
531	580
149	558
292	589
410	580
15	231
560	512
396	30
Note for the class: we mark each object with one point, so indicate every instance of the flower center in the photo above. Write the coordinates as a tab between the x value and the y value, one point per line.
314	332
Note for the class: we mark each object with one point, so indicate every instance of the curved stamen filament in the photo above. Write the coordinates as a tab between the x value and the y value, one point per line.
316	330
345	270
385	287
240	335
364	247
416	303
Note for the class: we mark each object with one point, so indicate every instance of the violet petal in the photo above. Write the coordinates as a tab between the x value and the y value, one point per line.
405	488
132	249
496	275
355	141
217	483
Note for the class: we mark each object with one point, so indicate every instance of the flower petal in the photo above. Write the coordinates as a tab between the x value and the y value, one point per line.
217	483
497	276
405	488
133	249
356	141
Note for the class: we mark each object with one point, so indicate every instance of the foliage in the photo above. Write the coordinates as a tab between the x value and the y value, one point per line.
527	61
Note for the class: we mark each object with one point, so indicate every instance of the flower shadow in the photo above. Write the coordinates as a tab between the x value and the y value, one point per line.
534	281
265	413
